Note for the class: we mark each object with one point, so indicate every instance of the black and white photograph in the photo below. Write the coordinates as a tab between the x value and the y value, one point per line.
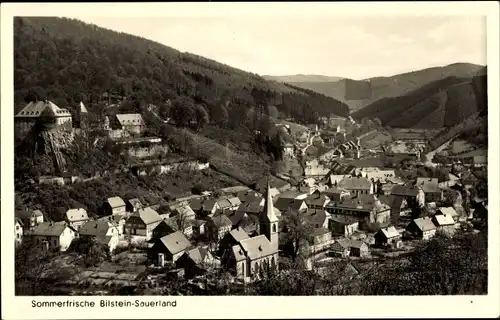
250	155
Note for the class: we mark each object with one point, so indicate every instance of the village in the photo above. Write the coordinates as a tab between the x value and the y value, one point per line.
358	198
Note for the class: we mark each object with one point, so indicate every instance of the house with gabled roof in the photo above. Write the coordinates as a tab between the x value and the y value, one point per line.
357	186
231	239
245	220
118	221
182	209
343	225
295	205
132	205
217	226
113	205
210	206
169	248
413	194
196	261
341	247
103	231
358	249
143	222
431	189
228	203
30	218
130	122
345	247
76	217
316	200
317	217
388	237
422	228
448	211
252	207
336	193
444	223
366	208
318	240
53	235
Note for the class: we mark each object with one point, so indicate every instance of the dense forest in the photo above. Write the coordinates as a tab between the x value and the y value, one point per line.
443	103
66	60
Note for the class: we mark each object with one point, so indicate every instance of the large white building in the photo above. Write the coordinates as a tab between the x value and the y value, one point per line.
45	113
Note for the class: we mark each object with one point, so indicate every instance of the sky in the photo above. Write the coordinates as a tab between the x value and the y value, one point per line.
351	47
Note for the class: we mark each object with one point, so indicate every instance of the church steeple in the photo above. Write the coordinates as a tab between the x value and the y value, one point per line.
268	213
269	221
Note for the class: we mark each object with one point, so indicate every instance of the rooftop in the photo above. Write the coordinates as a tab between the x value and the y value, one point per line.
257	247
95	228
147	215
424	224
76	215
116	202
354	183
50	229
130	119
175	242
389	232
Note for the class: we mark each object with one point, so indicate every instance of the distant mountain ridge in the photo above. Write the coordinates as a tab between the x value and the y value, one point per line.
314	78
392	86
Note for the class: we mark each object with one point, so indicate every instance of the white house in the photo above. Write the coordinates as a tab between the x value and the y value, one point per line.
53	235
18	229
76	217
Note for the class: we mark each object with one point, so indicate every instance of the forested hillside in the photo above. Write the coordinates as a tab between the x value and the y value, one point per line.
66	60
314	78
443	103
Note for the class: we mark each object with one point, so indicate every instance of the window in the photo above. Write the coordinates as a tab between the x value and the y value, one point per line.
17	227
274	227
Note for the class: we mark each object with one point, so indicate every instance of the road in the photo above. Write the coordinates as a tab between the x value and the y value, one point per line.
428	157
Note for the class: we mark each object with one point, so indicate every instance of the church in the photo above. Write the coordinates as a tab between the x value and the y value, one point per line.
252	257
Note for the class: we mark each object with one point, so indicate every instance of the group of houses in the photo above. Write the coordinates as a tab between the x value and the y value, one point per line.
244	229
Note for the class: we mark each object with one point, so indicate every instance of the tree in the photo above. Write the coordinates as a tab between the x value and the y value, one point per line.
272	112
34	269
441	266
219	115
94	253
183	112
182	221
297	232
201	116
294	280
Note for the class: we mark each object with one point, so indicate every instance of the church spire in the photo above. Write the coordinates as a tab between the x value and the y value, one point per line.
268	213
